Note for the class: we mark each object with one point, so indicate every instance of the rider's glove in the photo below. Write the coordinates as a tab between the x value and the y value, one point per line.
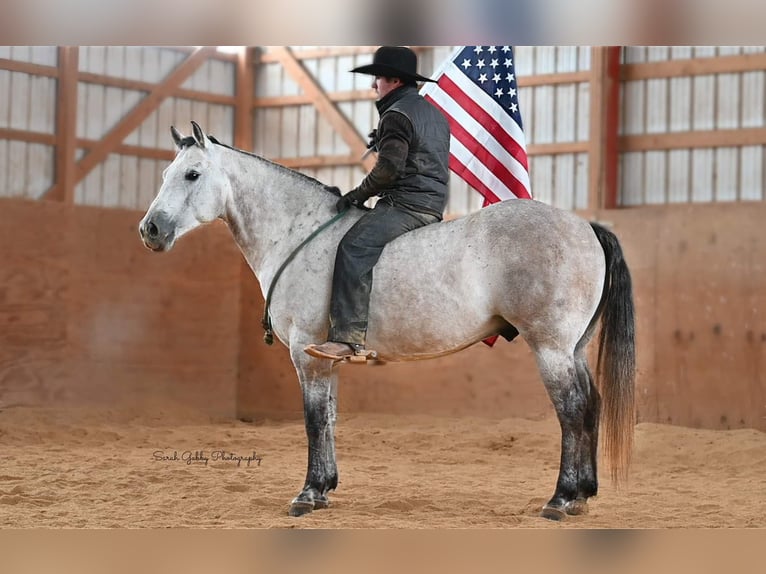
373	143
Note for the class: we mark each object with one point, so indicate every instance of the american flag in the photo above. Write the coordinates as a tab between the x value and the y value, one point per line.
476	89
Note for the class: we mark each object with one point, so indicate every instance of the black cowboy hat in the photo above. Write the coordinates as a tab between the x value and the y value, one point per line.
394	62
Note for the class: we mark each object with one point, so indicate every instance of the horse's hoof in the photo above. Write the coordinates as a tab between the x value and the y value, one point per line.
321	503
577	507
300	507
552	513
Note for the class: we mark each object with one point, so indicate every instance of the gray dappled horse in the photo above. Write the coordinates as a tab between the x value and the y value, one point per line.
516	267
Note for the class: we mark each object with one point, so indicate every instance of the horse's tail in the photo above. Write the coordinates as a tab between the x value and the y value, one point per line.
616	367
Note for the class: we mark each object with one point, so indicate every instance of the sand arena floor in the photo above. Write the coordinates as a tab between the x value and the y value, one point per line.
87	468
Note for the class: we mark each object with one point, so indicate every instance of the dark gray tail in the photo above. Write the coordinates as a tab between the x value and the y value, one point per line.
616	369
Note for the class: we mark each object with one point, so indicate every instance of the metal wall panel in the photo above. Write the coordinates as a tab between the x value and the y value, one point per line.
43	55
752	173
552	114
556	114
722	101
702	175
27	103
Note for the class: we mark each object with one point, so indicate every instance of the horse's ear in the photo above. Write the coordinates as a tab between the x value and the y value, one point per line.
199	135
177	137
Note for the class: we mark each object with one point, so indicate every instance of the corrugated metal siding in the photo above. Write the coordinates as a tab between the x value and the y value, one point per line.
556	114
705	102
552	114
43	55
27	103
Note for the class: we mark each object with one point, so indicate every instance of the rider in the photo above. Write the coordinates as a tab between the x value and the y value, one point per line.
411	176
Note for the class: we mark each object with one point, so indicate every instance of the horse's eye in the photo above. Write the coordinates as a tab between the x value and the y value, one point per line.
192	175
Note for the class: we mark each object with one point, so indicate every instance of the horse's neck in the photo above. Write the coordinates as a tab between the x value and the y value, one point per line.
271	211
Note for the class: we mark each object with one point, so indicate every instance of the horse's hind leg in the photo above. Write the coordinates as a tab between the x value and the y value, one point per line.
319	386
560	376
587	480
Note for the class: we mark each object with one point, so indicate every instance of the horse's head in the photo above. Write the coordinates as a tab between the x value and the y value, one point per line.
194	191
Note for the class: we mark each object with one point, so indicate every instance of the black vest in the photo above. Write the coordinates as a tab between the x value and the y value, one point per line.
424	185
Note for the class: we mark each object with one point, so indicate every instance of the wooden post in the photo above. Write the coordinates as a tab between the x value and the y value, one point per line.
243	110
66	124
250	300
604	127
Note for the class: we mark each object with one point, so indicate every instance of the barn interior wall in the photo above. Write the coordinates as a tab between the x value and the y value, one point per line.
74	316
88	316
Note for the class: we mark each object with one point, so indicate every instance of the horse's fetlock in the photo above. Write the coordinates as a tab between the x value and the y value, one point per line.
587	488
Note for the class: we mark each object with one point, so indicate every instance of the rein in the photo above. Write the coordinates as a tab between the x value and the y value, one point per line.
268	336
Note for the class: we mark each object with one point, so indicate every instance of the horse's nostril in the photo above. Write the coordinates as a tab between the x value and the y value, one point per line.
152	230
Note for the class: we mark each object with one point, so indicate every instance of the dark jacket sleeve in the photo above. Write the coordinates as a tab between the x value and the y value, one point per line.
394	136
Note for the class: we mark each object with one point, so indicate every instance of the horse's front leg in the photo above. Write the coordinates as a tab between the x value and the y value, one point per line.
319	385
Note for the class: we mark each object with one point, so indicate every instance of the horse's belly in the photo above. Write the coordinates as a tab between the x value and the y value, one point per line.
430	322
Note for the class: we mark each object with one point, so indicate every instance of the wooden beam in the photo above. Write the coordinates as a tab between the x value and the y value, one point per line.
558	148
635	143
315	53
554	79
215	54
132	150
694	67
137	85
346	160
317	161
303	99
694	140
66	125
25	136
604	127
87	144
357	95
139	113
28	68
271	56
243	109
326	107
105	80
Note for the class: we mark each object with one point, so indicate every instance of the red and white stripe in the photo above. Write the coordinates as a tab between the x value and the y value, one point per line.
487	147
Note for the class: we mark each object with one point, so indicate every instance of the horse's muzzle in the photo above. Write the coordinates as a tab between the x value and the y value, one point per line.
153	235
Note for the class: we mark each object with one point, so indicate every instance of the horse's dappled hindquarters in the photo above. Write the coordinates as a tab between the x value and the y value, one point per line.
514	266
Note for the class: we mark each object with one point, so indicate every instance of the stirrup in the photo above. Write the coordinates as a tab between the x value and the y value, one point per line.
361	355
